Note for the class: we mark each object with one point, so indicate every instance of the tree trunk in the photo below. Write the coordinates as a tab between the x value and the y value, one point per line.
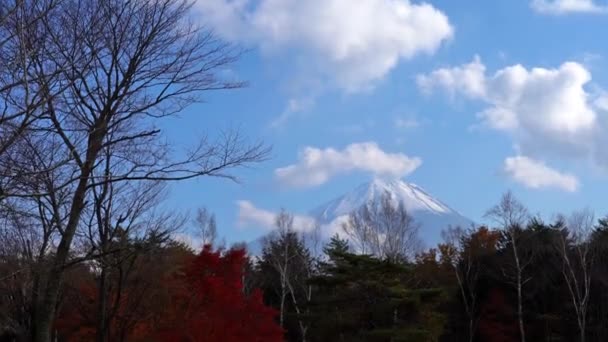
45	313
283	295
102	307
520	310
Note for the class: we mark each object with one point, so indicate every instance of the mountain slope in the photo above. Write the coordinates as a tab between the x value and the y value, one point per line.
431	214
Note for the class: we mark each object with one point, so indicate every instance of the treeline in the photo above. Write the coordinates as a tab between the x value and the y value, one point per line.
520	279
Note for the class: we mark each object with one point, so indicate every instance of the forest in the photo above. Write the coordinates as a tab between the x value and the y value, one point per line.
520	279
89	251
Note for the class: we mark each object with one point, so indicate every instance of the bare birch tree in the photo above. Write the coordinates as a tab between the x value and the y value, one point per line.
310	257
464	250
290	259
511	216
205	226
280	259
383	228
577	261
466	272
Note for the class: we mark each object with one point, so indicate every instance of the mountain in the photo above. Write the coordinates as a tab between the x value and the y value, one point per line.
431	214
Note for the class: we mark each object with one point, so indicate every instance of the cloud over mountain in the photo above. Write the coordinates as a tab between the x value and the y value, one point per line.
317	166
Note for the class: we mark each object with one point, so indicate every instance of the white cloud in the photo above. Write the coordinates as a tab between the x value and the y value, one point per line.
295	106
536	174
251	216
558	7
548	112
406	123
316	166
352	44
544	110
468	79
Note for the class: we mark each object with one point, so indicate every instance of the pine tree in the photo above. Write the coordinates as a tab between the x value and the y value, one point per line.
363	298
336	246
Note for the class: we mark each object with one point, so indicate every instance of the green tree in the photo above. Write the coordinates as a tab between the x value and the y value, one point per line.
363	298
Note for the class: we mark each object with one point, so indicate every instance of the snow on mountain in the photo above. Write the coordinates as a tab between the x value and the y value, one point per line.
428	212
413	197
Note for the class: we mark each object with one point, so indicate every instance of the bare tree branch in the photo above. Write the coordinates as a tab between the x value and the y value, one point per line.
383	228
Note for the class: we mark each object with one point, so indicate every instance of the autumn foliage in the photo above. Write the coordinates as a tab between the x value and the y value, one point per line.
209	303
203	300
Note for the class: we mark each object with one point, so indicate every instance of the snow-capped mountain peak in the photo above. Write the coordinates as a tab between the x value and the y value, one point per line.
413	197
431	214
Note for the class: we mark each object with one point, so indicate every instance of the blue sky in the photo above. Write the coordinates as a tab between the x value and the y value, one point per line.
465	98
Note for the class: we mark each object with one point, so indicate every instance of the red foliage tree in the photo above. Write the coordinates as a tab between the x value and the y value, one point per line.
209	303
202	301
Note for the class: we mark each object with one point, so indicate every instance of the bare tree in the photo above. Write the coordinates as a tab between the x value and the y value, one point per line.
466	273
22	38
280	259
577	262
15	277
206	226
310	257
120	214
463	250
383	228
289	257
33	225
103	73
511	215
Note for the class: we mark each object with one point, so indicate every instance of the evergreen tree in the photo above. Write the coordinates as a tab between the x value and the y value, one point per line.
363	298
336	246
